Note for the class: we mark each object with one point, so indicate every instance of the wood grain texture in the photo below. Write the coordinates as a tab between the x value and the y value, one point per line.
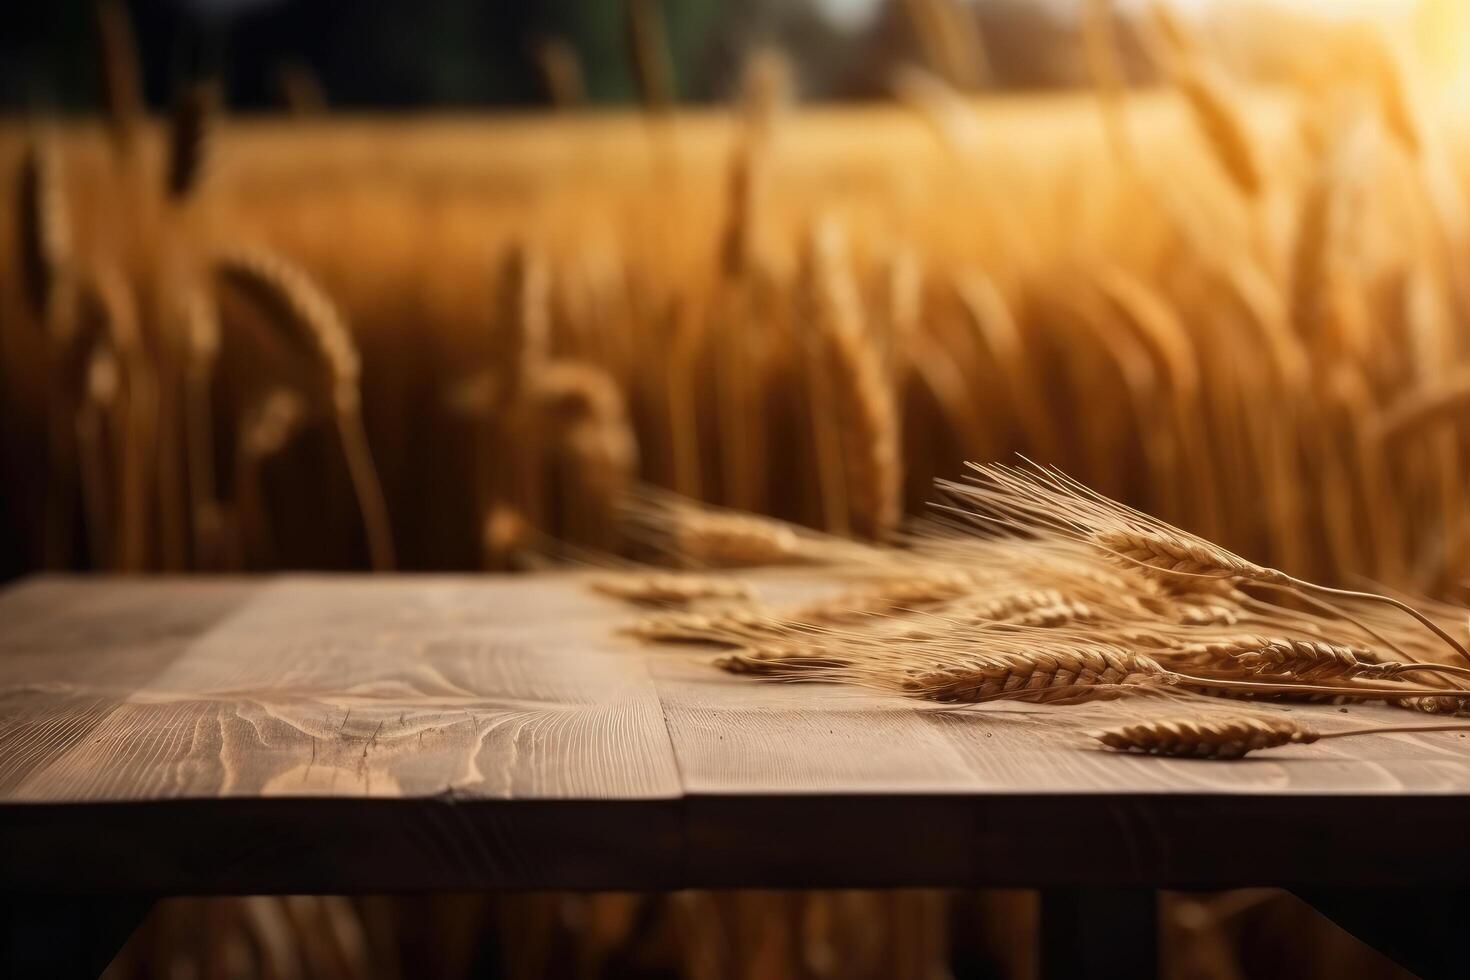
337	734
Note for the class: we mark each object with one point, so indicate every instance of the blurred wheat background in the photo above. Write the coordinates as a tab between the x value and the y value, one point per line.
1218	270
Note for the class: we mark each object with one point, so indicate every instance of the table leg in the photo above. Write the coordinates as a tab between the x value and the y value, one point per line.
1098	934
65	936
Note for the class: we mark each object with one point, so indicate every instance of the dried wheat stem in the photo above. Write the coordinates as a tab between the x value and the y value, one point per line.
1360	692
1234	736
306	319
1049	498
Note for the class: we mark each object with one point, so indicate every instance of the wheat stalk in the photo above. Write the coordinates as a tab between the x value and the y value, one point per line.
122	87
201	329
1233	736
1211	97
300	90
267	426
522	341
648	55
1047	500
307	321
44	228
561	73
189	126
865	473
1303	659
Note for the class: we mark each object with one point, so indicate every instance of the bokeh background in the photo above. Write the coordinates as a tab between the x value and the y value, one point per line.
433	285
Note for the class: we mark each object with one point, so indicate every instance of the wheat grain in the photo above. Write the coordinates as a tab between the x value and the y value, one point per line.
1191	614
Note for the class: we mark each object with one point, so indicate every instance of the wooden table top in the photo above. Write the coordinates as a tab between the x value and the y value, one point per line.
341	734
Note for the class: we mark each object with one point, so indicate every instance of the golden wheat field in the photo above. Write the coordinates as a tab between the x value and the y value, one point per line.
1093	395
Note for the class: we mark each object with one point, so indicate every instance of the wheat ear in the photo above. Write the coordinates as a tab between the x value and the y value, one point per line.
561	73
732	540
584	410
122	86
201	351
648	55
862	409
1209	92
522	308
765	85
300	90
1234	736
1042	674
44	226
306	319
189	126
1306	659
266	428
1045	498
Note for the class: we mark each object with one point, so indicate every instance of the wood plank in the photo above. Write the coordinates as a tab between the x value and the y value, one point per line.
338	734
72	650
350	734
406	687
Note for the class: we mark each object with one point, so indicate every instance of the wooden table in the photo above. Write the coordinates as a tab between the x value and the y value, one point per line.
341	735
